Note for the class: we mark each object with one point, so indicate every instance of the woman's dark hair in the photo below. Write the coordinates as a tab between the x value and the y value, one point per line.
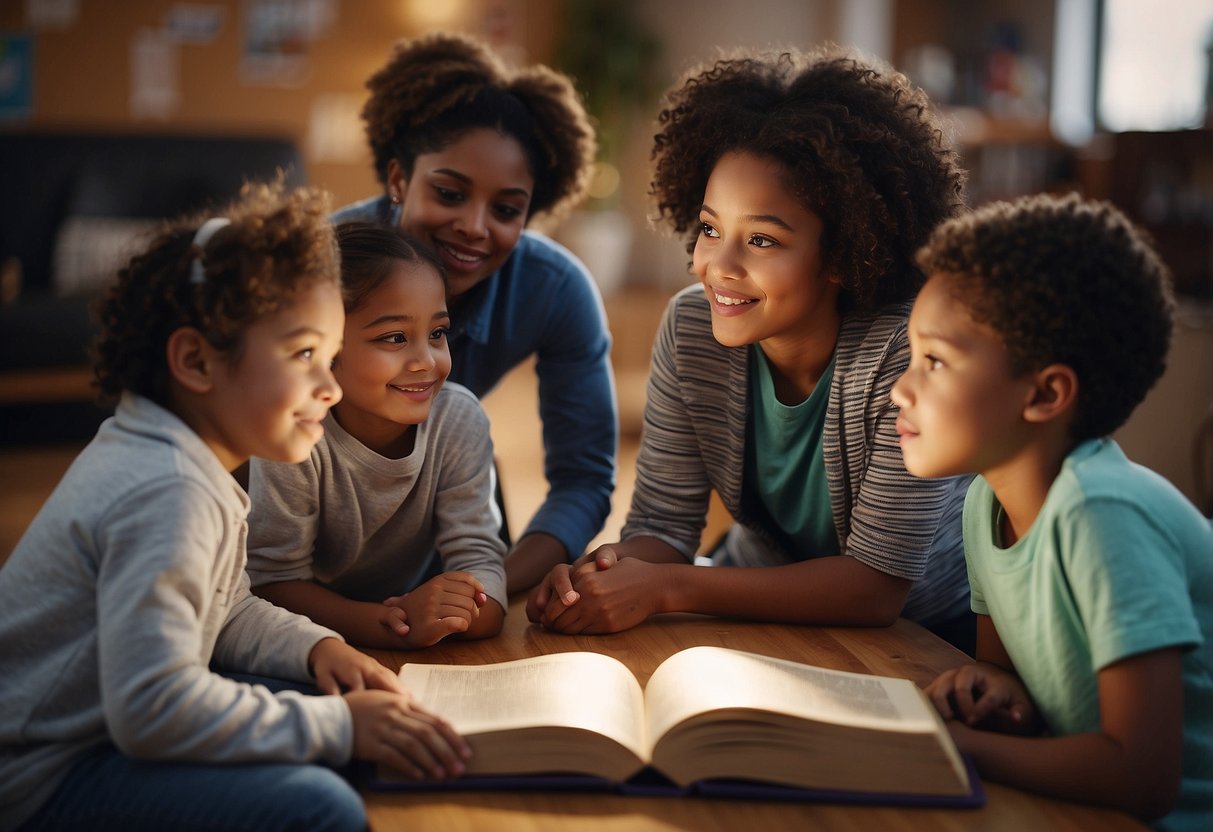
276	243
368	252
859	145
436	88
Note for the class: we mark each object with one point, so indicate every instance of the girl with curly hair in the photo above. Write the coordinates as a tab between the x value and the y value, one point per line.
468	152
804	183
130	584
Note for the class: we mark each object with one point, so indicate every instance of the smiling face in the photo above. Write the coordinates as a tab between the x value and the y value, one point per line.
961	407
759	257
269	402
395	358
468	202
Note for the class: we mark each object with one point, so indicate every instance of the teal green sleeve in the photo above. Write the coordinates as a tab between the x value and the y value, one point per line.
1130	603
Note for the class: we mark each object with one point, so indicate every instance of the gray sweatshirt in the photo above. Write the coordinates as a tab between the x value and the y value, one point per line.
128	584
369	527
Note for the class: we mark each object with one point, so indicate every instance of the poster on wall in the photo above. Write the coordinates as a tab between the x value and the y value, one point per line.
278	36
194	23
52	14
16	76
155	76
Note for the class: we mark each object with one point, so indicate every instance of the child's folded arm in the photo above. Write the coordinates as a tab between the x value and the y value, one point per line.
448	604
468	526
835	590
364	623
161	610
838	590
267	639
1132	763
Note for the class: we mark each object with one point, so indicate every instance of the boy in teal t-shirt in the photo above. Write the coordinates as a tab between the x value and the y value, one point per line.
1042	326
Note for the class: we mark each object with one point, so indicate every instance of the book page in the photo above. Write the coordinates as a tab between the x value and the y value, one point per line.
701	679
576	690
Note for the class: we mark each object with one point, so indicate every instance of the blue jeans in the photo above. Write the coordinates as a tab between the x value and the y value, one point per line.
106	790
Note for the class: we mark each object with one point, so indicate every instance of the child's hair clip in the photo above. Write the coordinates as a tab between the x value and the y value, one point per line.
205	232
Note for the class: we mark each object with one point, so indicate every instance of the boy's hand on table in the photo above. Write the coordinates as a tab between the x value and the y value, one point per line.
982	694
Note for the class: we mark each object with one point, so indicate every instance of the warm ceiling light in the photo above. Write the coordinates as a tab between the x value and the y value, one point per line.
422	15
604	181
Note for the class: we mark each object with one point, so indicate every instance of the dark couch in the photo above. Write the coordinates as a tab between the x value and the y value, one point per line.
70	205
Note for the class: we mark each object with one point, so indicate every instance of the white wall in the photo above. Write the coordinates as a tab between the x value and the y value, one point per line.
1162	431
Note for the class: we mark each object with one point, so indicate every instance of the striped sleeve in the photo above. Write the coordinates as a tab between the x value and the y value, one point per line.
889	519
670	500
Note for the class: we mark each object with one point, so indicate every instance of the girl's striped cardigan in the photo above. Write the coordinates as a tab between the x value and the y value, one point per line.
694	441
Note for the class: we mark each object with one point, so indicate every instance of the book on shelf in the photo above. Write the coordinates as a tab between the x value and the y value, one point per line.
710	721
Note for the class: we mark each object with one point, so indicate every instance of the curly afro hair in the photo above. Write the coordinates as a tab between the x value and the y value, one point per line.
860	146
277	243
1064	280
436	88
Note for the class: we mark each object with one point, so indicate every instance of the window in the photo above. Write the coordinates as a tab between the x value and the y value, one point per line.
1153	61
1154	69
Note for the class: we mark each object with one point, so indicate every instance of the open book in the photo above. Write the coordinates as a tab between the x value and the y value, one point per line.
708	714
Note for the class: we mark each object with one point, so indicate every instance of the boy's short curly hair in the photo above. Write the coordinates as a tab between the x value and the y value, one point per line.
860	147
1064	280
436	88
277	243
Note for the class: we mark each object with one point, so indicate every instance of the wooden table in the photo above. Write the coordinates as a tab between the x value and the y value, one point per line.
904	649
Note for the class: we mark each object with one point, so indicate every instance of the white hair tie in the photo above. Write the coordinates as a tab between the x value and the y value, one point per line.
205	232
